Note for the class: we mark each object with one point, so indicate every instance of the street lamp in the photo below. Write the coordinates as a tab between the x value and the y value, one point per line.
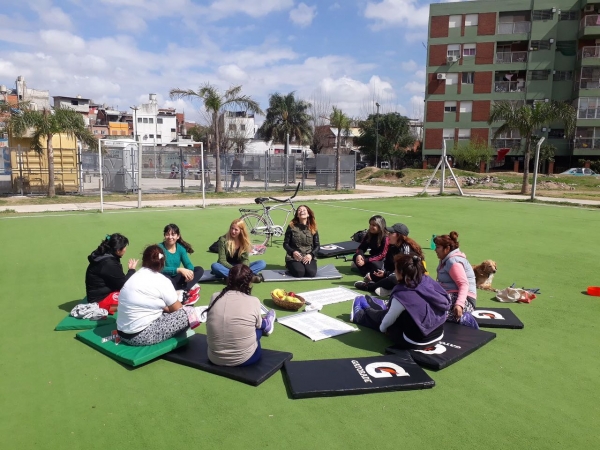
136	136
377	134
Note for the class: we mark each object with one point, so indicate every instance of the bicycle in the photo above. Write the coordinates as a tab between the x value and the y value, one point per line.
260	224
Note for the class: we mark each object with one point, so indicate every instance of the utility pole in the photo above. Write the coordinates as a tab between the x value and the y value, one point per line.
377	135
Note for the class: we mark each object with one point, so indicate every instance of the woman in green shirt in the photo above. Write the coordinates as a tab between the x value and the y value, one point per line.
301	243
176	254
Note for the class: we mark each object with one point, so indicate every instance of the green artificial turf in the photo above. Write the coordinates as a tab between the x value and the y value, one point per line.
534	388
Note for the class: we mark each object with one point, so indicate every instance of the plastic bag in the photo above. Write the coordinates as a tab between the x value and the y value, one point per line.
514	295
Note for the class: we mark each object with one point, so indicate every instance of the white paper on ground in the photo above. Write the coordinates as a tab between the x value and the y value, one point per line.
329	296
316	326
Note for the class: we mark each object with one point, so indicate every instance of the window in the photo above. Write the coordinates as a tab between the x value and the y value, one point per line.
469	49
588	108
95	131
539	75
562	75
468	77
151	120
145	120
569	15
542	14
173	130
232	127
464	133
151	136
455	21
243	127
159	120
451	78
449	107
139	120
159	136
556	133
471	20
448	133
453	50
567	48
466	107
74	102
540	45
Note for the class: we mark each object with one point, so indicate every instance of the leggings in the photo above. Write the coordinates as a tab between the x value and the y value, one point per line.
180	283
368	266
299	270
468	308
385	283
258	352
163	328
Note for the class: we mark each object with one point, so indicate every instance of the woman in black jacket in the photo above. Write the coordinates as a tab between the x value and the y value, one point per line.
301	243
104	275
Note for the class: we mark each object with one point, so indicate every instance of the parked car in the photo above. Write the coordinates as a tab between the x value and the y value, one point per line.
360	165
579	171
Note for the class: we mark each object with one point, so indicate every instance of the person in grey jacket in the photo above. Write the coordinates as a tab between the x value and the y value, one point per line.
301	243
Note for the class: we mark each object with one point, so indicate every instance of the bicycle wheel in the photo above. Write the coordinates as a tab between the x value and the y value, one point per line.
258	229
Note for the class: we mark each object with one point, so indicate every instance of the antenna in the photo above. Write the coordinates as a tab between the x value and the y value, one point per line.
443	164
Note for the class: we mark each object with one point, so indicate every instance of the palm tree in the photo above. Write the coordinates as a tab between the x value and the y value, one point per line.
342	122
287	116
216	105
43	125
527	119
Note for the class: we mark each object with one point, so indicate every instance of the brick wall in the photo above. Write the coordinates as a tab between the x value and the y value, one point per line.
435	112
435	86
481	110
438	55
433	138
480	135
482	83
439	26
486	24
484	53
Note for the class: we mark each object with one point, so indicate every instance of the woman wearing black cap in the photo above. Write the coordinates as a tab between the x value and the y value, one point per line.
383	281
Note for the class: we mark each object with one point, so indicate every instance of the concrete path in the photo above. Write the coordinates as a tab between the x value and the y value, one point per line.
363	192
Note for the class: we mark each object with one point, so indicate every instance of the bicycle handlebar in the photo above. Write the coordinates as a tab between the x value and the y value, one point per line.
287	199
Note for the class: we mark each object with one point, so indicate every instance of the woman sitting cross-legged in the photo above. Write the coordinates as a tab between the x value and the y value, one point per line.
417	310
234	248
382	281
104	276
377	243
301	242
149	311
234	324
176	254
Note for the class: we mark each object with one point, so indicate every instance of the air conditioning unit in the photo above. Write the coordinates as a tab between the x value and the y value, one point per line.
441	76
452	59
589	8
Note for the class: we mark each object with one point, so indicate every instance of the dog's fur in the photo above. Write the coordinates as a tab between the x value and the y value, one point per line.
484	274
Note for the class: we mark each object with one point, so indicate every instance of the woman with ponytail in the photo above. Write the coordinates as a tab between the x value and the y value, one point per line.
417	310
104	276
234	324
149	311
176	252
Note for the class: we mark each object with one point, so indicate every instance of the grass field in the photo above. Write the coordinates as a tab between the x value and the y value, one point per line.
534	388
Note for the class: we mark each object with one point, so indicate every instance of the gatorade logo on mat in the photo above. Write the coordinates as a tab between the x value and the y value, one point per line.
438	349
385	370
485	314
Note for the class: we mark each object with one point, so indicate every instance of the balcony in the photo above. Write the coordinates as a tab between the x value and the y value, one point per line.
511	143
589	52
511	57
508	86
589	25
587	84
514	28
587	143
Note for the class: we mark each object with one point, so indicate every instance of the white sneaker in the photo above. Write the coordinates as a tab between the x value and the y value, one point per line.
383	292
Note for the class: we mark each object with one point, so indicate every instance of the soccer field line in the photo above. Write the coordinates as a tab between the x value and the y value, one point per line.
364	210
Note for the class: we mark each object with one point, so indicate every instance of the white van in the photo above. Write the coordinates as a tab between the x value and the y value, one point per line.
385	165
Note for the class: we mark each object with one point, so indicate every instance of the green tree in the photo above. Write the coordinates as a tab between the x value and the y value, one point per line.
394	136
216	104
287	115
341	121
468	155
43	125
527	119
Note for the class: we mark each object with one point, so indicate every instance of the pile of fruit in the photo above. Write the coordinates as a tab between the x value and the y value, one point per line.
287	296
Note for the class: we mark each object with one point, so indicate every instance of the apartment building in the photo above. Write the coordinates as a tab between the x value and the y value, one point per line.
480	52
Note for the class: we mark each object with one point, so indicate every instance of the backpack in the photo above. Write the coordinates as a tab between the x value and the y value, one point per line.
359	236
214	248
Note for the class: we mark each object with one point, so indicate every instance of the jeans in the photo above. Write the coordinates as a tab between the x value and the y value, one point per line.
235	178
258	352
220	271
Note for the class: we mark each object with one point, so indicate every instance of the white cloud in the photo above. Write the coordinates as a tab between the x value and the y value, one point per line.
420	74
409	66
225	8
129	21
414	87
303	15
388	13
334	6
62	41
232	73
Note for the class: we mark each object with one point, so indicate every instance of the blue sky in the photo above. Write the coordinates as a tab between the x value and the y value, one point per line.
348	53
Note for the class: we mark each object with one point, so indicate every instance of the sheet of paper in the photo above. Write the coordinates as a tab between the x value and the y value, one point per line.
316	326
329	296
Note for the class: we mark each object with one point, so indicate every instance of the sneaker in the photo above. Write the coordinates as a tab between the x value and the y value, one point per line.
367	278
189	299
383	292
257	279
269	321
376	303
358	305
195	290
468	320
361	285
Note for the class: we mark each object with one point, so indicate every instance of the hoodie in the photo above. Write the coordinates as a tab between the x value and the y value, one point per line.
426	304
104	275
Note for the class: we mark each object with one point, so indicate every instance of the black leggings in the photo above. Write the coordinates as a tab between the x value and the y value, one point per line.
386	283
368	266
180	283
299	270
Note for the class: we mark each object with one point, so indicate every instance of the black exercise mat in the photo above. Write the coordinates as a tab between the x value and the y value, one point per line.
328	272
195	355
337	249
458	341
497	318
351	376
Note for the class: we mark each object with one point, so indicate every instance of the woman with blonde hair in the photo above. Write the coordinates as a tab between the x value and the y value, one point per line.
235	248
301	243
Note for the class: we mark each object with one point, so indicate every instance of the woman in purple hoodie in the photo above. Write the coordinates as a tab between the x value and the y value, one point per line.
417	309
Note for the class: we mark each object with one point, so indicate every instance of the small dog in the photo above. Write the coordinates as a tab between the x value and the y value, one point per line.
484	274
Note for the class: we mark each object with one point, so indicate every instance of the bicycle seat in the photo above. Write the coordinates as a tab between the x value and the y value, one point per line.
260	200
